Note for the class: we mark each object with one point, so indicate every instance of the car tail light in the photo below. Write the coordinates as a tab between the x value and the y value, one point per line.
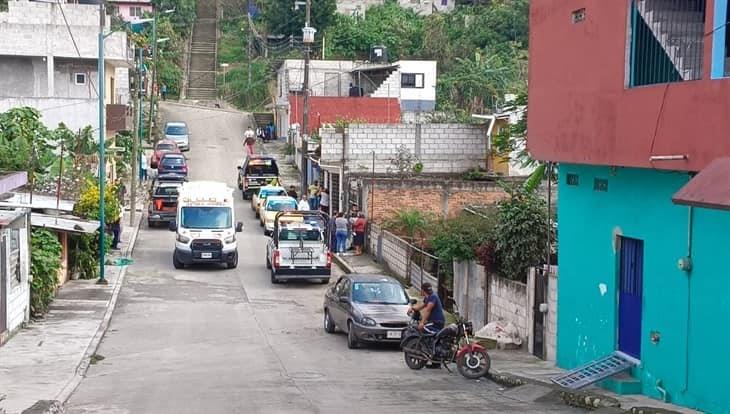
276	259
329	259
184	168
158	204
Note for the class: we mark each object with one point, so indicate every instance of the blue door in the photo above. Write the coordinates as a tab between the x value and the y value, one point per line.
631	280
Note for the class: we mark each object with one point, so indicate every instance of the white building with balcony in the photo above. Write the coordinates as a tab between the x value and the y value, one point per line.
48	60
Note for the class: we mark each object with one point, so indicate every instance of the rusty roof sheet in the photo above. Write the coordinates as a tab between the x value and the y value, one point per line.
710	188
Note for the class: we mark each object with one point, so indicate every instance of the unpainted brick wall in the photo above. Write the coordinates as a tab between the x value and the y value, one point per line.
440	197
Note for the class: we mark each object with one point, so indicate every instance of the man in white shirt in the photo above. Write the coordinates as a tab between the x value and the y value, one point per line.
249	140
303	204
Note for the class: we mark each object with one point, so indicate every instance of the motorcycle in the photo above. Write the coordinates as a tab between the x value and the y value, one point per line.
450	344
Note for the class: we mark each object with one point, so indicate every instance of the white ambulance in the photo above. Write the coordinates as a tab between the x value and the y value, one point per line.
205	230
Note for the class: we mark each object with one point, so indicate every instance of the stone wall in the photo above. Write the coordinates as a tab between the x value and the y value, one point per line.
439	196
442	148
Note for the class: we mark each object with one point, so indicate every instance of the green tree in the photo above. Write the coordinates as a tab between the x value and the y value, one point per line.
25	143
281	16
45	261
411	223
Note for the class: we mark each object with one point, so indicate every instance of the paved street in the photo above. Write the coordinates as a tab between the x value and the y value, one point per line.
228	341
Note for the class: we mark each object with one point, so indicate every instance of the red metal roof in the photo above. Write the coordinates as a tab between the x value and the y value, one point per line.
710	188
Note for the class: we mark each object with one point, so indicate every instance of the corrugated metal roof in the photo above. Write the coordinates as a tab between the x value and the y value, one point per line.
9	216
710	188
39	202
64	223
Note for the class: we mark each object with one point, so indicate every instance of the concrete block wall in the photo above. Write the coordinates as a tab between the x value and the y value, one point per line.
508	303
552	316
442	148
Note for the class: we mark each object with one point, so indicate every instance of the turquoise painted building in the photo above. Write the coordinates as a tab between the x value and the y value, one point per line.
684	315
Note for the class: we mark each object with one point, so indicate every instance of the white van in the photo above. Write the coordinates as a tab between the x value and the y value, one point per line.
204	225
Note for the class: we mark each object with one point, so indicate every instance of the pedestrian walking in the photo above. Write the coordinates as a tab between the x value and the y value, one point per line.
359	229
314	195
324	200
341	225
249	140
142	167
303	204
116	232
164	92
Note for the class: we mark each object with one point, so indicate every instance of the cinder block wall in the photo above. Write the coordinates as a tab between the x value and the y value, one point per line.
442	148
508	303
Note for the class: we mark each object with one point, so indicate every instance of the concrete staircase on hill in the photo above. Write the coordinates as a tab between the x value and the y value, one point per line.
679	29
263	118
203	49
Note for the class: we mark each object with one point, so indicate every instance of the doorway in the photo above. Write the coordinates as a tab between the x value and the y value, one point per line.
631	281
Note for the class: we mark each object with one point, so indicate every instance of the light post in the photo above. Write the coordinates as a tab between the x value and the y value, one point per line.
225	68
307	38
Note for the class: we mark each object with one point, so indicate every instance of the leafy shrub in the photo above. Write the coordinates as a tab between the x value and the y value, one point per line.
84	255
88	204
412	224
521	235
45	261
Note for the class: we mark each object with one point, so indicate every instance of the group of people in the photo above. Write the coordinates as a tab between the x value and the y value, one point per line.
267	133
341	227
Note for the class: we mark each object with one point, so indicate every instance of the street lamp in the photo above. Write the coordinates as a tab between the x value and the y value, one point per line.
307	38
225	68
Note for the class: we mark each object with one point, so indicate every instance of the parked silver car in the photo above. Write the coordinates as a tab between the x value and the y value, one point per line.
178	132
369	308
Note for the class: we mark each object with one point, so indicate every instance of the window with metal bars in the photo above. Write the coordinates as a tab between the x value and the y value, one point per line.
666	41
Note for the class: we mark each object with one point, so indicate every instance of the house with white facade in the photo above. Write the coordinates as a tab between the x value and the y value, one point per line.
14	260
411	83
48	60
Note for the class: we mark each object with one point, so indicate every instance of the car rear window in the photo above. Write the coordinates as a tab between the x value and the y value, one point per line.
297	234
176	130
165	147
266	193
383	293
166	191
281	205
262	167
173	161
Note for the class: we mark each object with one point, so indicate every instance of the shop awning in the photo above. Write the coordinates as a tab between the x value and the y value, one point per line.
710	188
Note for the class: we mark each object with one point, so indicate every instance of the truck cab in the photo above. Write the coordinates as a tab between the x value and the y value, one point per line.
255	172
163	202
298	248
204	225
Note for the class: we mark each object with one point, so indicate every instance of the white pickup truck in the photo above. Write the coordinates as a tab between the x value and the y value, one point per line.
298	248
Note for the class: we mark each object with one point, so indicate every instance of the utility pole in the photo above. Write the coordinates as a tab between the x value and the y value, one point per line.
154	75
135	148
102	163
305	92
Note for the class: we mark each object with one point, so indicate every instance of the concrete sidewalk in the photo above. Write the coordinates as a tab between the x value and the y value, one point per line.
47	359
527	375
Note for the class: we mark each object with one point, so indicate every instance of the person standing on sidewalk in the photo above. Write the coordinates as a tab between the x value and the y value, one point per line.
341	224
116	232
324	200
314	195
303	204
359	229
142	167
249	140
292	192
164	92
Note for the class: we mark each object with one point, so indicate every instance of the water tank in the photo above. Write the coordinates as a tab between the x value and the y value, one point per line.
378	54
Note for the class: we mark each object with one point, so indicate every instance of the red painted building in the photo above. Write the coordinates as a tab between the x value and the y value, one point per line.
328	109
584	108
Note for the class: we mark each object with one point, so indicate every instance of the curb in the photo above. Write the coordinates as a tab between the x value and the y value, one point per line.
343	264
93	346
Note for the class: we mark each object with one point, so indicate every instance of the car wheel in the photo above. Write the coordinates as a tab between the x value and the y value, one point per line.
268	262
232	264
150	224
329	324
324	281
352	341
258	215
177	263
274	280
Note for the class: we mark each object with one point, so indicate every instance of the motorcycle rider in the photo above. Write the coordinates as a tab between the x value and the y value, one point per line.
432	311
